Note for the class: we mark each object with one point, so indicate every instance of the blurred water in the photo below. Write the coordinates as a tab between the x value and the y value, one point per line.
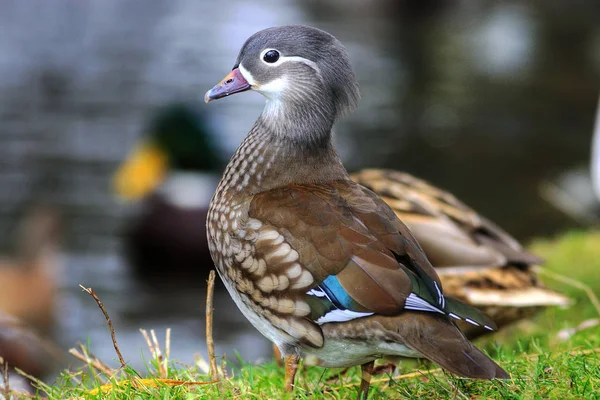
487	100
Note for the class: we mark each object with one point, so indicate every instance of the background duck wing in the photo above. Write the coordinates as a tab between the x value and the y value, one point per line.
479	263
452	234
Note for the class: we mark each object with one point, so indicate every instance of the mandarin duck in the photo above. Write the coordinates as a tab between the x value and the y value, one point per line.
319	264
173	172
477	262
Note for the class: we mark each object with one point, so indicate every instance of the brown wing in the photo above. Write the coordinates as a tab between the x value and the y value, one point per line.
345	230
452	234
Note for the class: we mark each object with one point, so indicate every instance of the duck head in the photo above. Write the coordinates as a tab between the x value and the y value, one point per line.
303	72
177	139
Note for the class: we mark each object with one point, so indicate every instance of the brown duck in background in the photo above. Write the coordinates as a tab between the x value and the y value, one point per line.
28	280
28	292
477	261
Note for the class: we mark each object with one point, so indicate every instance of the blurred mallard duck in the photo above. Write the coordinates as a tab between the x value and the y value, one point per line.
477	261
28	280
172	172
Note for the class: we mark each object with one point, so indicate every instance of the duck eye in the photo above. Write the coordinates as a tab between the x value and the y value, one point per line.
271	56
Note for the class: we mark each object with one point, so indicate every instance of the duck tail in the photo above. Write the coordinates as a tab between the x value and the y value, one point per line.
437	338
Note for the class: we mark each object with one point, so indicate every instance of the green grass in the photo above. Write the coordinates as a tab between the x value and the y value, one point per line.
541	365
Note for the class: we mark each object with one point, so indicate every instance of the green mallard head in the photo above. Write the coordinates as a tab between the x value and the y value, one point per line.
177	139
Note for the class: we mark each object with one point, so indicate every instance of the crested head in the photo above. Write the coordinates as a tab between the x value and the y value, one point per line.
304	73
300	61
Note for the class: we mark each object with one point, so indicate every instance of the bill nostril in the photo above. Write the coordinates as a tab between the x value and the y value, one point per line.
228	81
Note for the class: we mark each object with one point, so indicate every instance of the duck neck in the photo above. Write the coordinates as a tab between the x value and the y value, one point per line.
279	151
302	121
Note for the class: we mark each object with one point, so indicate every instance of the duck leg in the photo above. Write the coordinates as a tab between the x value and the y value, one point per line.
291	366
277	355
367	373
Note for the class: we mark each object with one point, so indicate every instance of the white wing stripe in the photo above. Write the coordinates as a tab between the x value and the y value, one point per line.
414	302
454	316
341	316
316	293
441	298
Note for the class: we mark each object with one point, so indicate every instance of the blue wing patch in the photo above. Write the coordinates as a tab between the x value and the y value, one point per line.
337	294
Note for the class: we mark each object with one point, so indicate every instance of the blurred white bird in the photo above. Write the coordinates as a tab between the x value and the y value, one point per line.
595	162
576	192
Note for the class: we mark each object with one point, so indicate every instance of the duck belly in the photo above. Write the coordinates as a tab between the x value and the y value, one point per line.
342	353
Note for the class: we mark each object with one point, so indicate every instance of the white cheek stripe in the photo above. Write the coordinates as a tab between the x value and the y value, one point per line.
283	59
303	60
250	79
272	90
247	75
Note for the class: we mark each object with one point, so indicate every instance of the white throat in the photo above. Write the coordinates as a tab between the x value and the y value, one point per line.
271	90
189	190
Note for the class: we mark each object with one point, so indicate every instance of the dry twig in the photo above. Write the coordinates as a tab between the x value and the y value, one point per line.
148	341
224	367
160	360
167	351
101	363
210	344
6	387
90	291
572	282
154	347
167	344
92	361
